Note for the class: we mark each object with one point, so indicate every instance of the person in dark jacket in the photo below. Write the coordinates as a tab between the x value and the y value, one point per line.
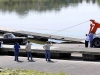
16	51
86	40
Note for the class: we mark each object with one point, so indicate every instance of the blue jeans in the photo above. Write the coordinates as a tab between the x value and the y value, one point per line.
29	55
91	45
47	54
16	55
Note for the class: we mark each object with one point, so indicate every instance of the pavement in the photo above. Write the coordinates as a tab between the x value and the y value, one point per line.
73	66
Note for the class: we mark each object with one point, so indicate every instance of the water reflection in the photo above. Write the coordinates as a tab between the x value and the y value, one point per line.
22	7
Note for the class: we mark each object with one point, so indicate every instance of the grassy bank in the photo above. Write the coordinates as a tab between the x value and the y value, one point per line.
26	72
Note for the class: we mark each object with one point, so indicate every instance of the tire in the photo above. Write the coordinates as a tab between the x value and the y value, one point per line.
96	42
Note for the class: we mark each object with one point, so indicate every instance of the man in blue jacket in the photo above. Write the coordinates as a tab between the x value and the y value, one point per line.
16	52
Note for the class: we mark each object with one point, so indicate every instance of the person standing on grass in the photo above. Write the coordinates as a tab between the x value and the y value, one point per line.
47	50
16	51
87	40
28	50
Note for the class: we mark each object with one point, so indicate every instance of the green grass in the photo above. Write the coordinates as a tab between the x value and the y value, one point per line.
37	41
26	72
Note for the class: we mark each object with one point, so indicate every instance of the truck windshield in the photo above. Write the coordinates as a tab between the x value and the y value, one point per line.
12	35
8	36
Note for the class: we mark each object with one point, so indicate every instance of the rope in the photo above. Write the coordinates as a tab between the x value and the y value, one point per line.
69	27
55	30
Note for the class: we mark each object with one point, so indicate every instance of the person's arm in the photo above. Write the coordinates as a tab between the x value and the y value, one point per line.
26	48
51	44
14	46
44	47
30	43
19	46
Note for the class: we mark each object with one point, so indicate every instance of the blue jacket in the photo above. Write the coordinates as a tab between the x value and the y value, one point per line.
16	47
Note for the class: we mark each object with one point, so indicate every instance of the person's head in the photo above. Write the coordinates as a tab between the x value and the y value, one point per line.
47	42
28	41
86	34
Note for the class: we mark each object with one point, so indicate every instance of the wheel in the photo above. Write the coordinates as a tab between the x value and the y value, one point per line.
96	42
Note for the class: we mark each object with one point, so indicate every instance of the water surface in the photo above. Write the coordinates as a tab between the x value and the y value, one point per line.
55	17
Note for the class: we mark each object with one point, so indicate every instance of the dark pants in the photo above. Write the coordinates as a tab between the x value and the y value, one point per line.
29	55
16	55
86	43
0	44
47	55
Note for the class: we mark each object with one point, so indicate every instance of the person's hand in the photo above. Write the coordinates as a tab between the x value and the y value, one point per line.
44	47
51	43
